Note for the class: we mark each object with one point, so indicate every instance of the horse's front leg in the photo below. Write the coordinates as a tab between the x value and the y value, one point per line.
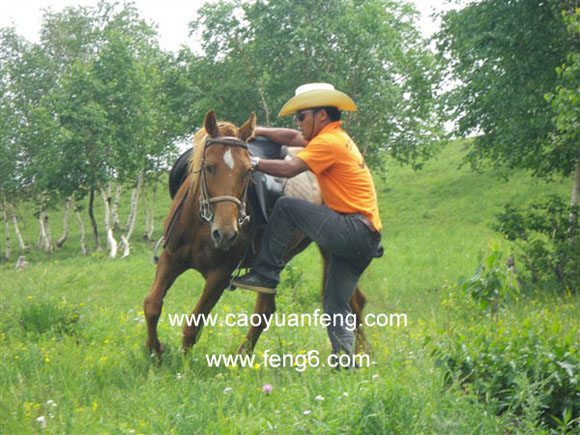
167	271
215	283
265	307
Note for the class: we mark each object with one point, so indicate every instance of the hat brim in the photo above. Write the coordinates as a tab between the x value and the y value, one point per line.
318	98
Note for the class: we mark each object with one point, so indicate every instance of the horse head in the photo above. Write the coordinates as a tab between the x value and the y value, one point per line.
225	174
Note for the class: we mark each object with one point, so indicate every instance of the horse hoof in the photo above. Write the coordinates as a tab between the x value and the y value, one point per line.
157	349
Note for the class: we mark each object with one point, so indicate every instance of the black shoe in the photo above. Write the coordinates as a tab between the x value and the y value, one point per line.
252	281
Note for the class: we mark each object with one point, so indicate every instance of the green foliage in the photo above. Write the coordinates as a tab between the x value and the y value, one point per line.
49	316
565	99
549	241
368	49
504	54
528	370
493	283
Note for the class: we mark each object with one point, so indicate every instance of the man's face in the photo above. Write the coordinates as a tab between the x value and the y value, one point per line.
307	122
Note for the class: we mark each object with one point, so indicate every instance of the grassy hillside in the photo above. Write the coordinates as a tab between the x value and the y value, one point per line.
72	330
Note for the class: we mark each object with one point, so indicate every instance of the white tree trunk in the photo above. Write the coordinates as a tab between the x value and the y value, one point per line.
64	236
149	213
574	200
132	216
6	231
575	186
82	228
125	246
145	213
21	243
111	242
115	207
151	223
45	236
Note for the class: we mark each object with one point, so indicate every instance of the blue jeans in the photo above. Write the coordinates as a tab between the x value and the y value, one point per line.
351	245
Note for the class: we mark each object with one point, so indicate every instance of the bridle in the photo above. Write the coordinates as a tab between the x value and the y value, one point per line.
205	202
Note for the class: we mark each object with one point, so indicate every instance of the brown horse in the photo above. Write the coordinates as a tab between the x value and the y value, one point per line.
205	230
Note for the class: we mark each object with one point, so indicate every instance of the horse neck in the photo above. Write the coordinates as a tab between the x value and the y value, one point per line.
191	204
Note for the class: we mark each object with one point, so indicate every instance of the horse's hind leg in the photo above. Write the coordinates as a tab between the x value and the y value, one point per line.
357	304
216	281
166	273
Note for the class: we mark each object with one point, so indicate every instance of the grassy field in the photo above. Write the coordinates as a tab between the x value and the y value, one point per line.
72	330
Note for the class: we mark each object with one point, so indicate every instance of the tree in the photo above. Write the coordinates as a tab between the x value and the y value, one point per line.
565	103
11	47
503	54
257	53
519	84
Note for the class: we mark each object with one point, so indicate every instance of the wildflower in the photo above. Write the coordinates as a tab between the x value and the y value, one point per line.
345	394
376	377
42	421
50	402
227	390
267	388
319	397
307	412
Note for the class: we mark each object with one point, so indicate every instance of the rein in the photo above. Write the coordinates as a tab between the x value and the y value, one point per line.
205	201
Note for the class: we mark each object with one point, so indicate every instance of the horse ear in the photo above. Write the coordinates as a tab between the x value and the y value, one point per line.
246	131
210	124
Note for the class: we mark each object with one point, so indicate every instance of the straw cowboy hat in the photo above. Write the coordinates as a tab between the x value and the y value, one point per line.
317	95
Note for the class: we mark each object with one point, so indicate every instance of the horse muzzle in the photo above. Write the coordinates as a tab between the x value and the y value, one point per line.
224	239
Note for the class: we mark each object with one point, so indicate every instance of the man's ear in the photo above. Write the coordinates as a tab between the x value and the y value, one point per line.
246	131
210	124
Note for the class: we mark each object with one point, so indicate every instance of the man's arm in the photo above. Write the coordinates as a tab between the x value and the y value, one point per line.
282	136
282	168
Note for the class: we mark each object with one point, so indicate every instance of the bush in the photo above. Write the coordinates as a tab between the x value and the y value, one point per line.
548	238
49	316
524	370
493	283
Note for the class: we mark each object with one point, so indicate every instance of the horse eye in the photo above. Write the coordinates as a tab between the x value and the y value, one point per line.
209	169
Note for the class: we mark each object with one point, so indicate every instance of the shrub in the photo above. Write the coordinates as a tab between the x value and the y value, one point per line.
493	283
48	316
548	238
525	370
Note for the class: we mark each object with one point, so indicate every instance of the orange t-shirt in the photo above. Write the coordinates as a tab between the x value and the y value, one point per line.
344	178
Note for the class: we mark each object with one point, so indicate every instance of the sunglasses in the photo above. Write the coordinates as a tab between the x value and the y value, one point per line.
302	114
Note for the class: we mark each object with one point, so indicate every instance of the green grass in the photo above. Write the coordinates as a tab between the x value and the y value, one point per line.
72	329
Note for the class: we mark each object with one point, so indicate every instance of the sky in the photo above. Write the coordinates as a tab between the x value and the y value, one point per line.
171	16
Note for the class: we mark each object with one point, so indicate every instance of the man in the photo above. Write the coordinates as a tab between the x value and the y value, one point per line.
347	225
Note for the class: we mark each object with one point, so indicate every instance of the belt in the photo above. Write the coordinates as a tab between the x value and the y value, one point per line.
367	223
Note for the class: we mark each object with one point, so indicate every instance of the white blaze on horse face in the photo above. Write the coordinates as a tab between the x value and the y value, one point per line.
229	159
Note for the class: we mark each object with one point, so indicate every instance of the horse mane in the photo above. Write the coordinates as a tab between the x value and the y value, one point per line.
225	129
